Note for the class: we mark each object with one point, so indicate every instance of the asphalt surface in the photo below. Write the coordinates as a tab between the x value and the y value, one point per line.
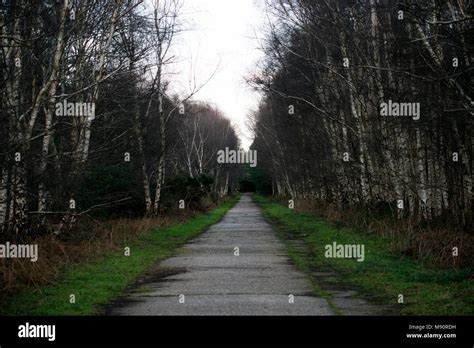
207	277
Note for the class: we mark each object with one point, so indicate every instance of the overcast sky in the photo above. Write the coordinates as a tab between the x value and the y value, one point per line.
223	35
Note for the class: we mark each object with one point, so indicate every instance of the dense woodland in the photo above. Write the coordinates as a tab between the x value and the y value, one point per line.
365	120
320	130
143	150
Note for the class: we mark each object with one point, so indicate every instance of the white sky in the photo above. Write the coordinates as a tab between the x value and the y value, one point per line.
222	35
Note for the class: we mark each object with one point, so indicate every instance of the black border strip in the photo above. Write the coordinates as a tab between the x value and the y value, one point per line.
194	330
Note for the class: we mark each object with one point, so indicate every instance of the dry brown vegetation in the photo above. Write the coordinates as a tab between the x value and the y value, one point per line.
429	242
92	239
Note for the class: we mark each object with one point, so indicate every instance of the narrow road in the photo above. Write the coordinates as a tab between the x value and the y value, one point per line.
214	281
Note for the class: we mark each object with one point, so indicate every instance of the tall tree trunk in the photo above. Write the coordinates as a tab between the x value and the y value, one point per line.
84	149
42	194
162	159
142	159
3	198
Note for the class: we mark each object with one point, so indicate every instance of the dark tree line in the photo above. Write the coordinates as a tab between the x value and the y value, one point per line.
321	131
140	150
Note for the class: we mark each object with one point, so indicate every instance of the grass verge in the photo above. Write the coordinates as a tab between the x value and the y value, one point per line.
383	275
96	283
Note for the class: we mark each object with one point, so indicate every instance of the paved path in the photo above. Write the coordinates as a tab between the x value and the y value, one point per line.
216	282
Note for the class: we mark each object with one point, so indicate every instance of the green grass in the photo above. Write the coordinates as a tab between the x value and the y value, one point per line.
383	274
96	283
